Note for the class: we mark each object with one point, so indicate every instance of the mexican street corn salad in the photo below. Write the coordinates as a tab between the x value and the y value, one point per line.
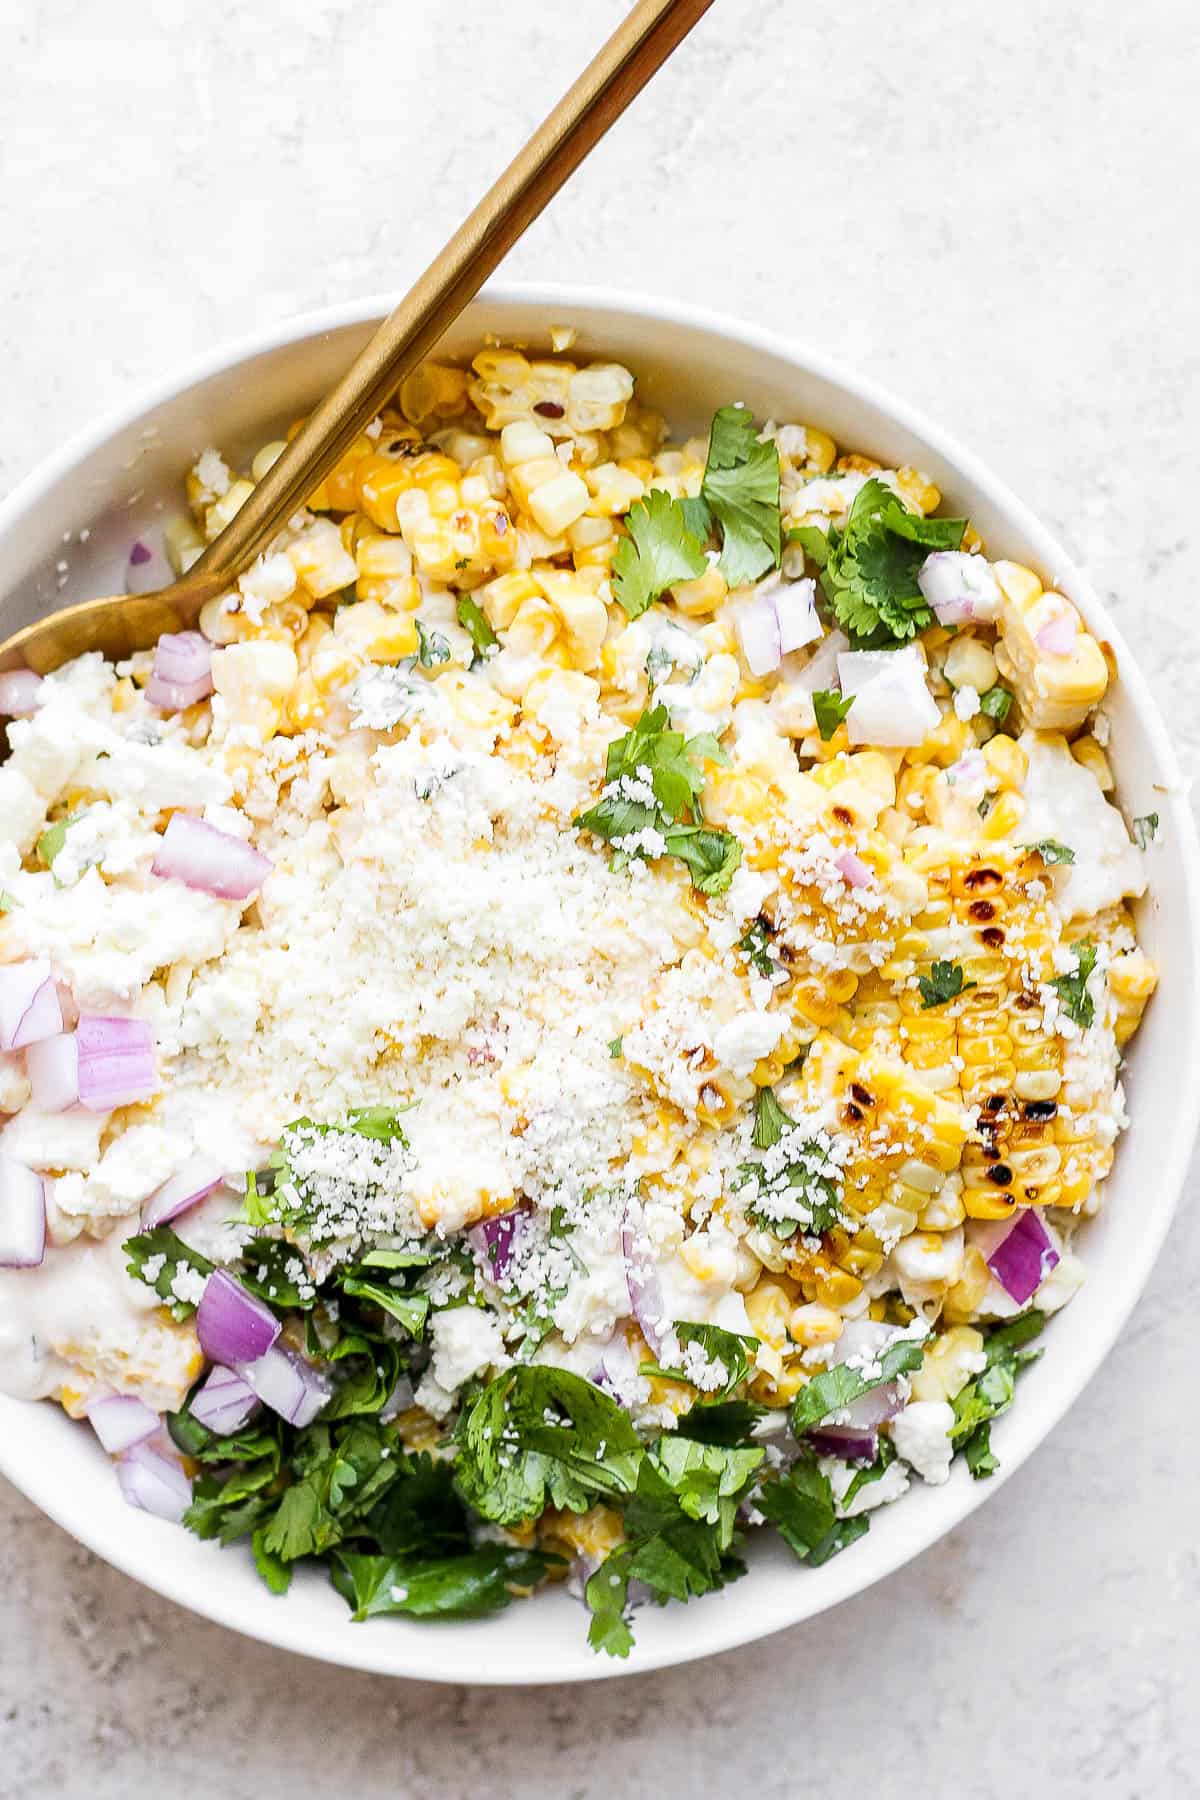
577	1018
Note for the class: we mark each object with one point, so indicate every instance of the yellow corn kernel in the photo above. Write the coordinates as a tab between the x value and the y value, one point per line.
396	469
820	449
704	595
943	1211
475	701
254	681
769	1306
964	1299
950	1361
183	544
433	391
559	700
502	598
988	1203
557	503
221	511
337	492
918	489
810	1324
1004	817
836	1288
266	458
1088	752
374	632
584	615
1007	763
307	708
321	560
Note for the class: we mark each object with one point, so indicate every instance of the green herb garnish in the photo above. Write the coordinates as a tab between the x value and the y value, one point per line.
944	982
1073	989
658	551
432	647
830	709
996	702
470	617
1051	851
869	568
1145	830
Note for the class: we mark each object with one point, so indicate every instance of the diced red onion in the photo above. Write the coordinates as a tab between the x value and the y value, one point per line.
225	1402
146	569
959	587
873	1407
200	1176
287	1384
853	868
233	1325
495	1239
821	669
211	861
20	693
52	1066
22	1215
758	634
893	706
846	1441
122	1420
796	610
645	1290
1057	636
1018	1252
116	1061
29	1008
182	672
155	1483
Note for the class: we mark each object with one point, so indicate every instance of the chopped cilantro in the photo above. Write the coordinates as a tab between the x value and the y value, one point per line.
986	804
755	946
996	703
770	1120
1051	851
614	1047
1145	830
830	709
7	903
653	783
740	490
52	840
658	551
871	1472
433	647
801	1507
991	1392
944	982
470	617
468	1586
162	1242
305	1190
1073	989
836	1387
869	569
724	1354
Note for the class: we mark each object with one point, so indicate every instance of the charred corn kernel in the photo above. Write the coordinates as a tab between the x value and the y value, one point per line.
969	663
254	681
321	560
769	1307
950	1361
988	1203
227	507
1087	752
704	595
1007	763
219	620
374	632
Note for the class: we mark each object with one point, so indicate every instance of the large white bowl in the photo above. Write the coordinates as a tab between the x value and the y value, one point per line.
123	477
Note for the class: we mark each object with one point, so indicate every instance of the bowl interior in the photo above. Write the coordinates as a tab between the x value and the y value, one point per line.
123	480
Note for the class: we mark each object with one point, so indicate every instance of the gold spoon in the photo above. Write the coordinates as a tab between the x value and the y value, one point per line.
123	623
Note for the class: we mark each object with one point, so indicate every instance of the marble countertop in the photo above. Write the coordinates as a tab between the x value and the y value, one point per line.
985	208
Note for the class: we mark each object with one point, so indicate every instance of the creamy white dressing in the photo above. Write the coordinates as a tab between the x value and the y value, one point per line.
1063	800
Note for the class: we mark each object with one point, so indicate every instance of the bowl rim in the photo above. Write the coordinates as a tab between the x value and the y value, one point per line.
746	1624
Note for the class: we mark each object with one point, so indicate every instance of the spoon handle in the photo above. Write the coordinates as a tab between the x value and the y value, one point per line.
638	47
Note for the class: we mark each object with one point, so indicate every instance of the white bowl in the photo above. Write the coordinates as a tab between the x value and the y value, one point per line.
122	478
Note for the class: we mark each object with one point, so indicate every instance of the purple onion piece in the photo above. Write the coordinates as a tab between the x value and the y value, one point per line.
645	1291
155	1483
846	1441
1023	1258
233	1326
29	1004
208	860
225	1402
200	1176
494	1240
122	1420
116	1061
287	1384
22	1215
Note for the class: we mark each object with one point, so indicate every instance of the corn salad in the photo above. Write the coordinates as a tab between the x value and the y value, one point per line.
579	1016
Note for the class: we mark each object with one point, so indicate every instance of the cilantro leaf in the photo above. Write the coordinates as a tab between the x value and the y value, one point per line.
755	946
741	489
409	1310
943	983
432	647
469	1586
836	1387
770	1120
844	1533
7	903
537	1432
813	541
658	551
615	1047
295	1191
711	856
830	709
800	1505
1051	851
728	1422
52	840
276	1573
871	1472
606	1594
1145	830
470	617
996	703
726	1354
991	1392
146	1247
1073	989
871	567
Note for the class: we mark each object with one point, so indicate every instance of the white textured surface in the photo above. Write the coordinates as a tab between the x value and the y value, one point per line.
987	208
